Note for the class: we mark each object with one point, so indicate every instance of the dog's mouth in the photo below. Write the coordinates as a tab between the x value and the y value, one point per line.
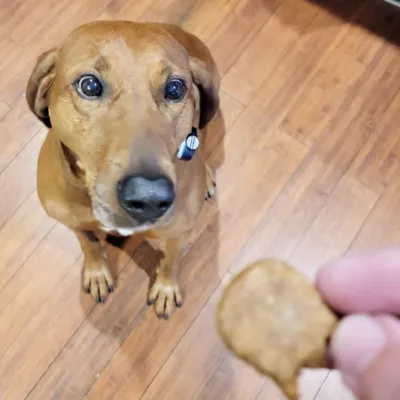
120	223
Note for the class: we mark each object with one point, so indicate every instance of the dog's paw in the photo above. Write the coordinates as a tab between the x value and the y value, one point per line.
210	184
98	281
164	295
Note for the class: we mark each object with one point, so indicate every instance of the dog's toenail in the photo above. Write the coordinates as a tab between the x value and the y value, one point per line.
111	288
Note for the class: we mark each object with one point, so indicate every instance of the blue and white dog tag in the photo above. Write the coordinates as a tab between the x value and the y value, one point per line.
189	146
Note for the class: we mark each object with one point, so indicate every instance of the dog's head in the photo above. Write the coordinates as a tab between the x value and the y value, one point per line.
121	97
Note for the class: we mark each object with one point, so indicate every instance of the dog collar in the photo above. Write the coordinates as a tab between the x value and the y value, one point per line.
189	146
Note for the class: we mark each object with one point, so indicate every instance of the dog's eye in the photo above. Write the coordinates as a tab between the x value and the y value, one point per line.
89	86
175	90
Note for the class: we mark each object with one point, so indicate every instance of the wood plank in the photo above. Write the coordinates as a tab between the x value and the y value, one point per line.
20	236
21	298
206	18
7	8
141	355
9	48
105	16
379	159
238	29
230	110
13	14
263	163
180	379
17	128
377	16
18	180
216	132
251	69
201	18
232	380
309	383
337	77
30	19
4	109
285	223
65	313
263	177
131	10
13	77
43	336
336	226
382	227
249	135
170	11
116	8
197	370
334	389
291	76
320	102
73	372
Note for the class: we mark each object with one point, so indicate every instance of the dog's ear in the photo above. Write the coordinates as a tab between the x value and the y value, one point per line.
39	85
204	72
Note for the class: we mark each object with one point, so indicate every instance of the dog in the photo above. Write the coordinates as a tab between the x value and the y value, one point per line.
126	105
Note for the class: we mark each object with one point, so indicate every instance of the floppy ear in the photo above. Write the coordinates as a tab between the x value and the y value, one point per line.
204	72
39	85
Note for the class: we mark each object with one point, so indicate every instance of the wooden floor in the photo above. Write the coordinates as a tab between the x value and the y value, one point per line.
307	152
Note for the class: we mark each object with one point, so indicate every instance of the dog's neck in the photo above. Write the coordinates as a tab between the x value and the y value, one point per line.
70	165
71	160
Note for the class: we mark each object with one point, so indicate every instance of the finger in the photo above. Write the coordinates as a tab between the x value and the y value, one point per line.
357	341
363	283
381	381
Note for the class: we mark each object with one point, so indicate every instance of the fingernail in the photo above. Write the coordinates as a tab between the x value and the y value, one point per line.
355	344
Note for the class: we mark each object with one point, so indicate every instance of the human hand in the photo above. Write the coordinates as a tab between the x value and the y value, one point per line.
365	347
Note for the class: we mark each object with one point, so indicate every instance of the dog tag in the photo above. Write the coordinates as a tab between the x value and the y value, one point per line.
189	146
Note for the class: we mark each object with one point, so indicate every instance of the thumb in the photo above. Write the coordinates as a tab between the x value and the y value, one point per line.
366	350
380	381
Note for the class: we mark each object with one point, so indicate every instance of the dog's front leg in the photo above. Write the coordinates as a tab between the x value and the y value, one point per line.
165	292
97	278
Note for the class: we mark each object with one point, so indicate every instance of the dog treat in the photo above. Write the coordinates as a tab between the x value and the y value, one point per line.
273	318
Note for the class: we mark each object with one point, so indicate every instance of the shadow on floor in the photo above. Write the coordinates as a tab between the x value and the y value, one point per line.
376	16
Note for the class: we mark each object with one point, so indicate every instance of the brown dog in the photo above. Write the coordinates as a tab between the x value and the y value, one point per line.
120	98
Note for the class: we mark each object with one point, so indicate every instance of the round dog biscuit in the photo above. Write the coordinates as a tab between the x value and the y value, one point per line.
273	318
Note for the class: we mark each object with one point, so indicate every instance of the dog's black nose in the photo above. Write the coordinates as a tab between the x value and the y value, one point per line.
145	199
